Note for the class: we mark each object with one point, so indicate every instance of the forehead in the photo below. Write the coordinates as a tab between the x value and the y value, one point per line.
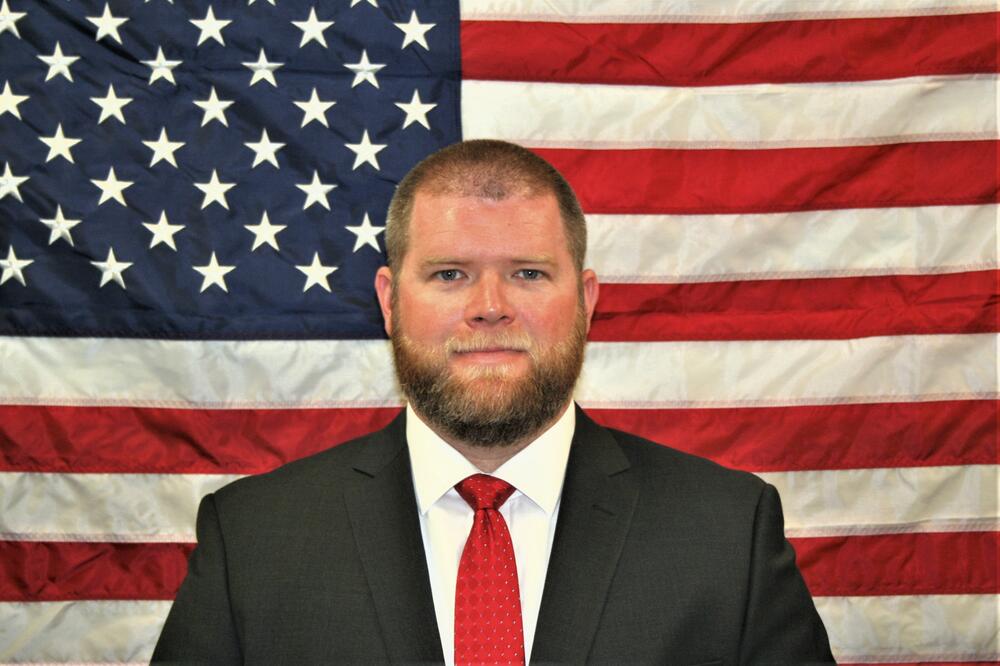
442	224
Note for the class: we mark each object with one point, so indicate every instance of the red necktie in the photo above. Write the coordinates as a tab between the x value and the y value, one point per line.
487	599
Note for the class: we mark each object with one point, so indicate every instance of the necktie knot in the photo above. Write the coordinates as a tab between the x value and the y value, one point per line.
483	491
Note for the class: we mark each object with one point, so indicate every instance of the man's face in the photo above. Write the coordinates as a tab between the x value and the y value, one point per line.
487	315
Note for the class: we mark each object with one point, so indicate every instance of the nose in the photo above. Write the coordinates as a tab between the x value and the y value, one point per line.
488	304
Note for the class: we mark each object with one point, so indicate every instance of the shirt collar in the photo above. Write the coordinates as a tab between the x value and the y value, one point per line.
536	471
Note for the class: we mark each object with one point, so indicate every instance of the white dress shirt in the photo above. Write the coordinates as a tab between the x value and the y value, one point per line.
536	472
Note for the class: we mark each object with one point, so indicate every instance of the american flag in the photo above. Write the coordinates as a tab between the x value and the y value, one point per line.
792	208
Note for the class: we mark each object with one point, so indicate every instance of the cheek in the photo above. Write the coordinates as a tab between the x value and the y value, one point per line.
427	317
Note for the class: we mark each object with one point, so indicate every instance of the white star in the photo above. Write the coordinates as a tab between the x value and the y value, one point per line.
111	105
210	27
163	232
416	111
250	2
367	234
59	145
9	183
316	274
163	148
58	63
59	227
364	70
215	191
9	101
111	187
111	269
415	32
107	25
312	28
214	274
161	68
265	150
314	109
373	3
13	267
265	232
366	151
9	19
315	192
263	70
215	108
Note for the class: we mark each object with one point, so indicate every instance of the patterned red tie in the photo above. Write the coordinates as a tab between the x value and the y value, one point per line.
487	599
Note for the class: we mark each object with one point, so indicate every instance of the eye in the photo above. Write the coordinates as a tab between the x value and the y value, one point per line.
448	274
530	274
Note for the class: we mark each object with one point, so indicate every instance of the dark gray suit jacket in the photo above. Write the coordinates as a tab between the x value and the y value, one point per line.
659	557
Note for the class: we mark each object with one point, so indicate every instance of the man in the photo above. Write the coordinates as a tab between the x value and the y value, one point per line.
581	545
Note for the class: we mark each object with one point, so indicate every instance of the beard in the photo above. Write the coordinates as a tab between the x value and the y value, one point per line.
490	405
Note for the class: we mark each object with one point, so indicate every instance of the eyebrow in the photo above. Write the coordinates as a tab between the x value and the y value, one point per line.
543	259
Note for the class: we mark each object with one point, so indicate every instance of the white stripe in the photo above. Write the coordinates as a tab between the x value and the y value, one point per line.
822	243
654	375
745	116
294	373
708	11
873	501
910	628
103	507
162	507
80	631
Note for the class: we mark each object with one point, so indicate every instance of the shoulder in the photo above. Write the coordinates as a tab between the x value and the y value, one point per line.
681	478
319	475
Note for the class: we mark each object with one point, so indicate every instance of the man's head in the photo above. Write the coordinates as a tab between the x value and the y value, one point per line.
485	298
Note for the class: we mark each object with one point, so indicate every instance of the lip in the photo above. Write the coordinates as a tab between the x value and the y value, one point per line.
490	355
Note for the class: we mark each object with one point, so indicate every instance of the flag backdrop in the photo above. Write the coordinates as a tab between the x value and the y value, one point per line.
792	209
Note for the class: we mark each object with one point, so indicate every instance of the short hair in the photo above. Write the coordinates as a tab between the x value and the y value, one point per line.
489	169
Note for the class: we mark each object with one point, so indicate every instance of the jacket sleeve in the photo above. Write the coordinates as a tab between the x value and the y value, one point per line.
781	624
200	626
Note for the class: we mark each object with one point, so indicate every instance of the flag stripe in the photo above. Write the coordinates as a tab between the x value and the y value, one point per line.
242	441
781	179
887	500
753	116
700	11
125	631
908	564
309	373
819	243
151	508
799	438
686	54
900	564
72	570
80	632
912	627
830	308
187	441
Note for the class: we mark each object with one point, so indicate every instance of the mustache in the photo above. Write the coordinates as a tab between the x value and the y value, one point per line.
489	342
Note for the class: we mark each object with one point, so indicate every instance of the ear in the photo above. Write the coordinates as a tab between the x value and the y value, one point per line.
591	290
383	289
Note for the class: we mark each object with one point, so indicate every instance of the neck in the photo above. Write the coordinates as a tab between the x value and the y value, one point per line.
489	458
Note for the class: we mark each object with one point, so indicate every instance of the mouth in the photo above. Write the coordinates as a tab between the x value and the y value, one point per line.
489	355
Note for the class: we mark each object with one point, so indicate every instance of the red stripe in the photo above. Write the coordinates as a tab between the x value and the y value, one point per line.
920	663
855	436
147	440
780	179
703	54
191	441
900	564
68	571
827	308
865	565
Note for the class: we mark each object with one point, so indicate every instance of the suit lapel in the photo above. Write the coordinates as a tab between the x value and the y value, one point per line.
594	517
383	512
